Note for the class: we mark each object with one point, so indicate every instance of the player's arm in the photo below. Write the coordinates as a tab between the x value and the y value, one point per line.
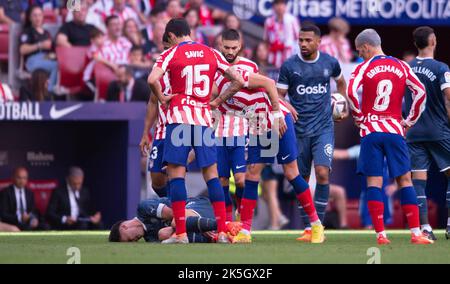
418	95
237	83
154	82
150	118
341	85
283	87
352	95
447	101
259	81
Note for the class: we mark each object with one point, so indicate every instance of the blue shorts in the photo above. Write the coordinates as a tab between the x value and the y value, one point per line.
231	155
375	147
318	149
262	150
181	138
155	160
422	153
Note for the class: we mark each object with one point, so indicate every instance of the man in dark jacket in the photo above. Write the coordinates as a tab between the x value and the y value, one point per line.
70	206
17	203
127	88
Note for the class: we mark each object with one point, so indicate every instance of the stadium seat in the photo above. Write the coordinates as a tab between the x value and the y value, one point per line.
103	76
71	64
4	39
50	16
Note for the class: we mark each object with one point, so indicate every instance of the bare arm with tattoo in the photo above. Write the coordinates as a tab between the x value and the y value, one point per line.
237	83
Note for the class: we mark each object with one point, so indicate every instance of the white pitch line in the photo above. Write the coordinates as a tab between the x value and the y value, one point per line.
256	233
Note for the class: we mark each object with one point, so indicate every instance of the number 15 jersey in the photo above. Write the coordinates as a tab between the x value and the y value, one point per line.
384	80
192	68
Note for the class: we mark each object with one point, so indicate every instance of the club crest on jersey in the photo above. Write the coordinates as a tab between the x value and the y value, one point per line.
328	149
447	77
326	72
194	54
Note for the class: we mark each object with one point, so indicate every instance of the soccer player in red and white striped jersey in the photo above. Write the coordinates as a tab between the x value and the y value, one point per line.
260	103
384	80
116	48
191	68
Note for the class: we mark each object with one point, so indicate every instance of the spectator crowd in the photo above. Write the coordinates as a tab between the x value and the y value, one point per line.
116	42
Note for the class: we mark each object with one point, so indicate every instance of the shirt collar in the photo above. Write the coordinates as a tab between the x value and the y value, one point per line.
423	58
309	61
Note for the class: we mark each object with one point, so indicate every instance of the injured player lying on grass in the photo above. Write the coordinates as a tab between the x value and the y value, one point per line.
154	222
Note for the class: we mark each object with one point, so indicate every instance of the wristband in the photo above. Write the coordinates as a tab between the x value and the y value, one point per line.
278	114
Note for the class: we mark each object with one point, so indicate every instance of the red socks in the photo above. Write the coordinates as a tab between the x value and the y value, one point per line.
247	208
220	214
376	210
307	203
179	214
229	210
412	215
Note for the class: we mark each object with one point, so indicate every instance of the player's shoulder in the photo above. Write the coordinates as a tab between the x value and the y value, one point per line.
327	58
291	62
248	62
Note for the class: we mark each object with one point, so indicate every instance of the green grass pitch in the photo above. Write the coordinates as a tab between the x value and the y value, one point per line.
267	248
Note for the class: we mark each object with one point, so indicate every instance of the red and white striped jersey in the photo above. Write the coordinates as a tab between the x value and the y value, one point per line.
117	51
340	50
282	38
192	68
250	107
125	14
160	127
5	94
384	80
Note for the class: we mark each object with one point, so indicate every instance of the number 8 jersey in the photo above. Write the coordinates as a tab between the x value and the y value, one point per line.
384	80
191	67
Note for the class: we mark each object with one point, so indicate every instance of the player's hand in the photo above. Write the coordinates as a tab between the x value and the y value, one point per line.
293	111
214	104
165	99
405	125
282	127
144	145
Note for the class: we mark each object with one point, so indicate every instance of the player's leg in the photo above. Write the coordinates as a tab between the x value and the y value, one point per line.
155	167
440	150
255	165
239	167
175	156
304	161
206	155
224	168
420	163
287	156
370	164
322	151
399	165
